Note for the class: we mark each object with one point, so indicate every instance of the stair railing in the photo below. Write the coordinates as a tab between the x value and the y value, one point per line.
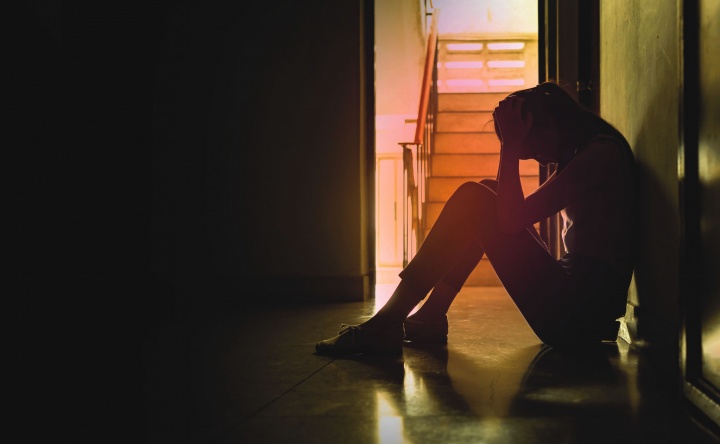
416	154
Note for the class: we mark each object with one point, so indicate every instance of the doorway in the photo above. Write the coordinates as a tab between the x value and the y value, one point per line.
481	62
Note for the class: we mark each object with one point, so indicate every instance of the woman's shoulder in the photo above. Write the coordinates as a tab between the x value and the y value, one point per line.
612	146
602	160
610	139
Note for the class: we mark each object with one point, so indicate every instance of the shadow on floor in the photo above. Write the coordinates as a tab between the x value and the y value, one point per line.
250	375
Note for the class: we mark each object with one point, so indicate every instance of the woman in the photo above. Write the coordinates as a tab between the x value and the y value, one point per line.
571	302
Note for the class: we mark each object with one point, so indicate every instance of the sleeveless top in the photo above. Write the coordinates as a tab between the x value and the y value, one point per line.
601	226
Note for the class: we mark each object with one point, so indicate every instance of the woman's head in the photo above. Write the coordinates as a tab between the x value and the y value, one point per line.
552	109
559	124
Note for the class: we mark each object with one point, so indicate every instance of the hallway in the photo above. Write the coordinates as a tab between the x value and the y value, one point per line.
221	374
175	172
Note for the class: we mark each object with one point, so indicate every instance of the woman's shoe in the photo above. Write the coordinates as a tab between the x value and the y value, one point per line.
360	339
432	330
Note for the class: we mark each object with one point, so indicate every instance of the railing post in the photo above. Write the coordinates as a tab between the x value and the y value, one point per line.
414	185
411	196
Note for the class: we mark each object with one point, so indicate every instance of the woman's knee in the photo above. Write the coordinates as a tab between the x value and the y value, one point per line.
490	183
475	191
472	201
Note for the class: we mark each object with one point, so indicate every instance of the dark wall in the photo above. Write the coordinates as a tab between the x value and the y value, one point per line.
76	173
158	151
78	289
259	171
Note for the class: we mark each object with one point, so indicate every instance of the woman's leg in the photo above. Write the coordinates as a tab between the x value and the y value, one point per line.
468	222
383	333
405	298
445	291
530	274
465	230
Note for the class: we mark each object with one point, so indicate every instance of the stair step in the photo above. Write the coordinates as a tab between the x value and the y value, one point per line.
458	143
469	165
441	188
482	73
482	86
469	101
458	122
479	57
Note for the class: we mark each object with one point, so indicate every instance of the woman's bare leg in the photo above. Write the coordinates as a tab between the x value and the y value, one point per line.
393	313
523	264
445	291
452	250
468	223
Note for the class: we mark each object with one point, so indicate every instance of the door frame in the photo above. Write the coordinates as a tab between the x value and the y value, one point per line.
569	53
703	396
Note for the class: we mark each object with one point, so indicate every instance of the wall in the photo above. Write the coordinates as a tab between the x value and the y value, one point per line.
399	57
399	60
639	95
187	145
488	16
260	171
77	286
154	153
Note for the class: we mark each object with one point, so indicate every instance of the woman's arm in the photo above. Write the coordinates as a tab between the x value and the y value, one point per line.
591	169
512	131
510	194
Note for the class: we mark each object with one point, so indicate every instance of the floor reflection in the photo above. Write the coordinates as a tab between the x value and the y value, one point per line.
583	390
489	384
493	383
585	396
389	420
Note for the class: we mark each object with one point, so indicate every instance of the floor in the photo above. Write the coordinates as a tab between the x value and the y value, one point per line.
219	374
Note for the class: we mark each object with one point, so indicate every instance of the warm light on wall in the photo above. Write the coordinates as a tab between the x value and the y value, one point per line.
711	350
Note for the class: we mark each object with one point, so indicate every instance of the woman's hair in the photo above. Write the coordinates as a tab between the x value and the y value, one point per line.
576	124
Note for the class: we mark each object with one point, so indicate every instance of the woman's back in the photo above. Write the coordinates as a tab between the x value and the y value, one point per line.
600	222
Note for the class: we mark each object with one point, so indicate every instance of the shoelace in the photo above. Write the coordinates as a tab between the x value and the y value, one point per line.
349	328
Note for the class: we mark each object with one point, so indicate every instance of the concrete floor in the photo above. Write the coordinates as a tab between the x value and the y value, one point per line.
220	374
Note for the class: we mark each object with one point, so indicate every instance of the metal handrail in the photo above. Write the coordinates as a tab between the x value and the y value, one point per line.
416	154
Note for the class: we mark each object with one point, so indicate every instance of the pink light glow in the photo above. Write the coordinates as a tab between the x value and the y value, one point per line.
506	64
508	46
465	82
463	65
465	46
506	82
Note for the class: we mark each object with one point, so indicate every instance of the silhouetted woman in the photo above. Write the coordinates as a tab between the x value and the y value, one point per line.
570	302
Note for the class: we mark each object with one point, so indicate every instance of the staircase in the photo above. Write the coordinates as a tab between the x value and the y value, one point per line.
472	78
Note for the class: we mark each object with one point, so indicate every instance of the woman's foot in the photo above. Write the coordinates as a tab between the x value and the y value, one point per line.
426	329
363	339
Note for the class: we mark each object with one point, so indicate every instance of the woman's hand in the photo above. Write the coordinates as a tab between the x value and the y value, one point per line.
512	128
